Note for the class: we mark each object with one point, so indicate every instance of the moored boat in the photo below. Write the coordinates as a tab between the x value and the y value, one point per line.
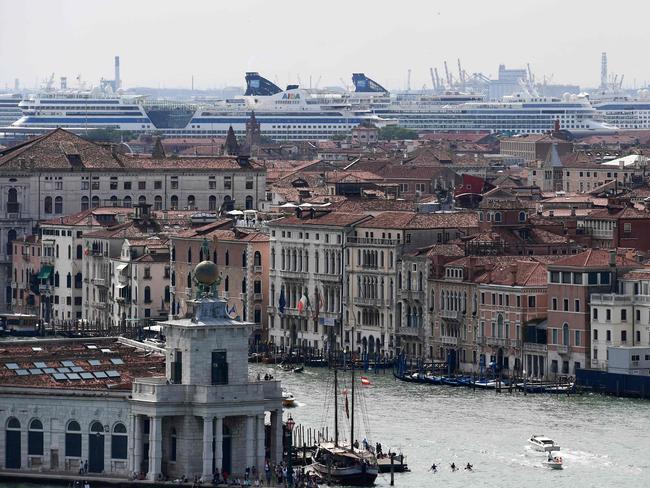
554	462
288	400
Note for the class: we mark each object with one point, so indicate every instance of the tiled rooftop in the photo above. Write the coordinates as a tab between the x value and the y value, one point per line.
81	364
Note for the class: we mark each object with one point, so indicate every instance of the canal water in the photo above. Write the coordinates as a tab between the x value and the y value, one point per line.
605	440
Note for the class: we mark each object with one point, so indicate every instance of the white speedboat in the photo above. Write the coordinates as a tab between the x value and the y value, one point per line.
542	443
554	462
288	399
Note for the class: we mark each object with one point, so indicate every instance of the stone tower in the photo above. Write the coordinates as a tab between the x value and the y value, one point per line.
253	134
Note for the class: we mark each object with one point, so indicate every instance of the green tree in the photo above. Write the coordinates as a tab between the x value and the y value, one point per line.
394	132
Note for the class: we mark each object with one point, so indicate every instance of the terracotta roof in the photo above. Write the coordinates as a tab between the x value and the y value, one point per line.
404	220
58	150
137	363
86	217
333	219
518	273
595	258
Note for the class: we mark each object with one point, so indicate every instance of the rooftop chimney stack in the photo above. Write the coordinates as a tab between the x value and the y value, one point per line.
118	82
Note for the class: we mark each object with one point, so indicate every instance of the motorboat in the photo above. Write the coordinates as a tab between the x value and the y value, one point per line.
554	462
300	369
288	400
542	443
485	384
349	467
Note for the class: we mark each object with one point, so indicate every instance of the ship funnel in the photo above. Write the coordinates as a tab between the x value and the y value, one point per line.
257	85
363	84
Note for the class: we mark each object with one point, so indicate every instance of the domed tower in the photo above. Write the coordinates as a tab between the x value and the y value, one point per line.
209	347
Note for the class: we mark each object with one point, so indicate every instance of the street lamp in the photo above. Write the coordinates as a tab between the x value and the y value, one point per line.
290	425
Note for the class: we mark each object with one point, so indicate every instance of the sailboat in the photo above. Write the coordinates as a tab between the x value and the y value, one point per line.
345	465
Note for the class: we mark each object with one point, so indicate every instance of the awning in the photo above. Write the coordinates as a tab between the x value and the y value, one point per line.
45	272
120	267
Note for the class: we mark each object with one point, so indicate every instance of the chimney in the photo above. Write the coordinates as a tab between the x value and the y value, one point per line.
118	82
513	273
612	258
551	213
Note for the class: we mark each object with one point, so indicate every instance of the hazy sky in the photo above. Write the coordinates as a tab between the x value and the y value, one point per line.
162	42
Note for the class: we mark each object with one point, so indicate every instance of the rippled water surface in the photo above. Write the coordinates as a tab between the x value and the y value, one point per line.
605	441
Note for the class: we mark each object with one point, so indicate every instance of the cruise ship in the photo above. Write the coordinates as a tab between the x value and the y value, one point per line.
624	111
9	110
291	114
305	114
459	112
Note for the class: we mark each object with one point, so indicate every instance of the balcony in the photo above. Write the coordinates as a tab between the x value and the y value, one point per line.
297	275
449	341
515	343
370	302
49	260
562	349
496	341
451	314
327	277
98	281
534	347
410	331
156	390
412	294
610	299
122	279
100	305
372	241
45	289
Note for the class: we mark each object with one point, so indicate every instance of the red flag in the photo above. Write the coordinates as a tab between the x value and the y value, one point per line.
365	381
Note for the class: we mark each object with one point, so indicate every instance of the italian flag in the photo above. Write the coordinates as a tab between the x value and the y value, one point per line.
303	303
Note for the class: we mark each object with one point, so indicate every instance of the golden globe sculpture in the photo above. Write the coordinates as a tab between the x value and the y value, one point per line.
206	273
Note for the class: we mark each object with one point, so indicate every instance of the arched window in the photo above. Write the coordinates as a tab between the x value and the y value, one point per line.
84	203
189	280
167	294
11	237
47	207
565	334
68	281
77	280
497	217
147	294
173	278
35	438
249	202
244	261
142	200
174	202
113	202
73	439
257	259
522	216
189	254
94	202
226	284
58	205
157	202
212	202
500	326
126	202
191	202
227	258
228	204
80	251
119	442
13	444
12	196
243	285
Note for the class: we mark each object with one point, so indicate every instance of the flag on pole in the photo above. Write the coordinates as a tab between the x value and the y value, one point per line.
303	303
365	381
282	302
317	304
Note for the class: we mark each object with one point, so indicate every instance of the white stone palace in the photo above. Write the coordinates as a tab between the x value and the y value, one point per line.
104	403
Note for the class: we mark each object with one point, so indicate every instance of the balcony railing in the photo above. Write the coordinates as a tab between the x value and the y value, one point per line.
257	269
449	340
562	349
98	281
496	341
257	297
451	314
373	241
534	347
370	302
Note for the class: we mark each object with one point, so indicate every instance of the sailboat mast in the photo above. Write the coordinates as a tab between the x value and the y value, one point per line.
336	408
352	413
